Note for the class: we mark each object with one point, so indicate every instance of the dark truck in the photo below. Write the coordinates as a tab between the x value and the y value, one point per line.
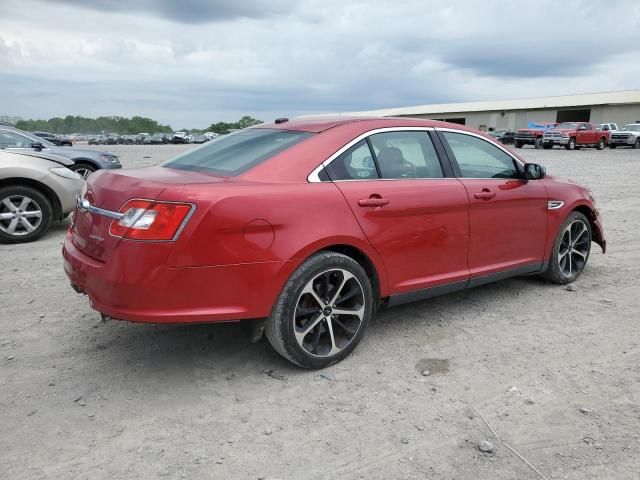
572	135
533	134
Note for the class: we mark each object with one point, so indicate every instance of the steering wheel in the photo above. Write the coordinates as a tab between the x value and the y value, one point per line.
409	170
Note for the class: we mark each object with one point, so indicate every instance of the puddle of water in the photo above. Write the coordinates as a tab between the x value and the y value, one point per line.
433	365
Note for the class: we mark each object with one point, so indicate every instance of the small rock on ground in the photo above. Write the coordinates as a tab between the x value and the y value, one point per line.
486	446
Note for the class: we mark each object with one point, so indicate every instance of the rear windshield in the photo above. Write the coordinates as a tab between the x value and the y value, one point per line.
235	153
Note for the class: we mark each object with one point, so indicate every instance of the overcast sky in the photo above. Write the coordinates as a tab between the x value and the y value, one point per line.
193	62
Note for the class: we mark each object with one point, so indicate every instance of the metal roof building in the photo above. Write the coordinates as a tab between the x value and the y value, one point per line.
619	107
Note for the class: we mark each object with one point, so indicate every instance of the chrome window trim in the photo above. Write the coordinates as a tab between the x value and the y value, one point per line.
314	177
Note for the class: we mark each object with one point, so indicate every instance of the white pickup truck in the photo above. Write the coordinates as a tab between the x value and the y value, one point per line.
627	136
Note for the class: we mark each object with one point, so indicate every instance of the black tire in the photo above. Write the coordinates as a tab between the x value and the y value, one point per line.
281	325
612	147
557	271
601	144
20	233
517	144
637	144
83	169
571	145
537	143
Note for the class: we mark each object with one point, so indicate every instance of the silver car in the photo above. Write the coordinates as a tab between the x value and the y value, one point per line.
36	188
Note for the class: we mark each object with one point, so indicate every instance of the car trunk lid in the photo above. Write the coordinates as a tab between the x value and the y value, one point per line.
106	193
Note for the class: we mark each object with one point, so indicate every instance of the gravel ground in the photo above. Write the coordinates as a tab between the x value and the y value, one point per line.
555	372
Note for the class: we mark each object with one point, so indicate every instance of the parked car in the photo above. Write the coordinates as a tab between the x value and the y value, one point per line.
532	135
179	137
503	136
94	140
85	161
305	205
573	135
629	136
54	139
36	188
199	138
607	127
156	139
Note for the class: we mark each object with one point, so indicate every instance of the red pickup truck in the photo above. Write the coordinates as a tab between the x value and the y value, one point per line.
572	135
532	135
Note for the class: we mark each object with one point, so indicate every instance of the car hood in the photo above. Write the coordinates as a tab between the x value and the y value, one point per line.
47	156
72	152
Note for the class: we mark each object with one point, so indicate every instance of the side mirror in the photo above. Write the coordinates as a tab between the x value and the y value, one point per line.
533	171
37	145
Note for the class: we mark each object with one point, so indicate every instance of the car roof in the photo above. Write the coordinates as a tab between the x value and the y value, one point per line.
320	124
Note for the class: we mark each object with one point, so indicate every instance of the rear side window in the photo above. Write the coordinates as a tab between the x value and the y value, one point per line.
354	164
235	153
478	158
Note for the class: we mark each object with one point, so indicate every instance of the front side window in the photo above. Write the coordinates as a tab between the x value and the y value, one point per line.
235	153
406	155
13	140
478	158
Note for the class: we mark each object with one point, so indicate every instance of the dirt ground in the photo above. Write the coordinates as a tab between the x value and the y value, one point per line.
555	372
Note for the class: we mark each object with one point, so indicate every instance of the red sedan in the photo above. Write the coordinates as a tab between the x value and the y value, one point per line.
315	224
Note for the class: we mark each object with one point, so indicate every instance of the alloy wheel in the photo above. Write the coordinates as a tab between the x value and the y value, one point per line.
19	215
329	313
574	248
84	172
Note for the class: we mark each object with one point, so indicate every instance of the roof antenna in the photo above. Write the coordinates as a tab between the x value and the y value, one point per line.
282	120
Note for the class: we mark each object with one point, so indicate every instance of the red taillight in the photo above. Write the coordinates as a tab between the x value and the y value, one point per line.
148	220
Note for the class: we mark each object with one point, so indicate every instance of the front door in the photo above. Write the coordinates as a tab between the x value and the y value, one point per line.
507	214
414	217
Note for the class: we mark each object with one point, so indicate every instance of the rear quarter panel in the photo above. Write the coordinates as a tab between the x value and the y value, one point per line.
256	223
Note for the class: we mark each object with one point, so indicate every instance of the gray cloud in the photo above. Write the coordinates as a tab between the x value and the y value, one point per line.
188	11
270	60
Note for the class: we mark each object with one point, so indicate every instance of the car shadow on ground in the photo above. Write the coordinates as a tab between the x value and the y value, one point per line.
225	348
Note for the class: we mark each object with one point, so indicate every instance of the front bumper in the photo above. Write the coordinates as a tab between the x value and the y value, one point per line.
623	141
599	235
555	140
137	285
109	165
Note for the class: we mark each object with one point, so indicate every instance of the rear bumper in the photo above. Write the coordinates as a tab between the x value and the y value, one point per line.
137	287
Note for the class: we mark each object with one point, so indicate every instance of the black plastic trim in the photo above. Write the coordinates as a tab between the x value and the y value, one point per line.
424	293
514	272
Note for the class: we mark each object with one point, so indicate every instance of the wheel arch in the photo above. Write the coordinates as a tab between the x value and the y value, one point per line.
357	250
41	187
86	161
596	233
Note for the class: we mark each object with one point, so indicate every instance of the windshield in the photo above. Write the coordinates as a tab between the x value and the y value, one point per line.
235	153
567	126
631	128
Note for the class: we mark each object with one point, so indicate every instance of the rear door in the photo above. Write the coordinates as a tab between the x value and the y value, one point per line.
412	210
586	134
507	214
